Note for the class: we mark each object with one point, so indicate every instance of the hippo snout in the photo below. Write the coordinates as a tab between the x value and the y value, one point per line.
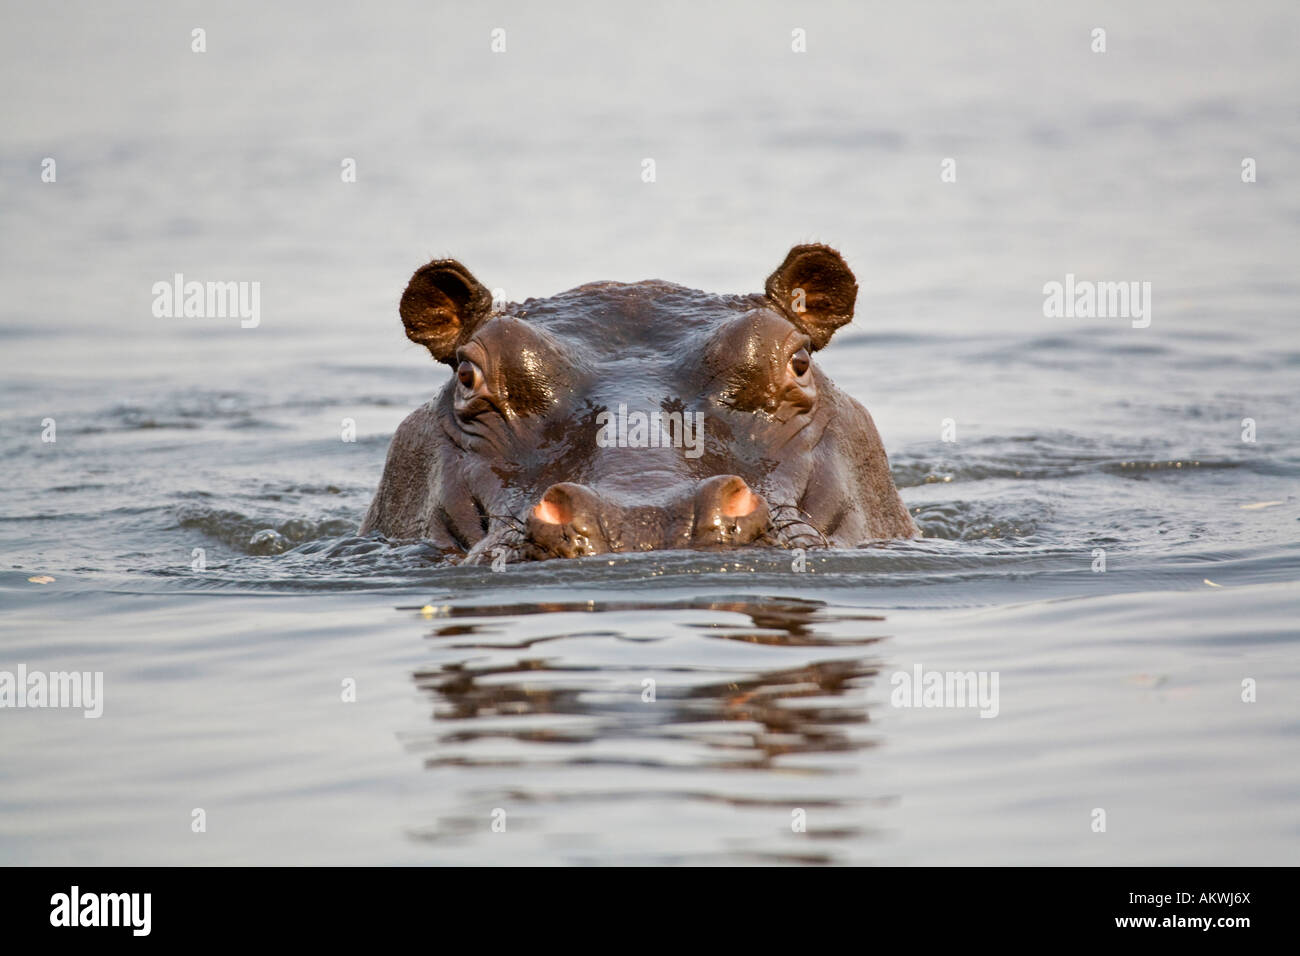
571	520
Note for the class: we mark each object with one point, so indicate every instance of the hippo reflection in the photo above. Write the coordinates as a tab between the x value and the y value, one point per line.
633	417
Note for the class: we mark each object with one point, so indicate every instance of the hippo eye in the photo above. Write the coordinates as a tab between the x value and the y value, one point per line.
467	374
799	363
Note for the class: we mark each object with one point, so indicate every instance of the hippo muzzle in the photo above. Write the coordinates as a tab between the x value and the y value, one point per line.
572	520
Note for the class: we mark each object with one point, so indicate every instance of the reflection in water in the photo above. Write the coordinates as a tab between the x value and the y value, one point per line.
589	717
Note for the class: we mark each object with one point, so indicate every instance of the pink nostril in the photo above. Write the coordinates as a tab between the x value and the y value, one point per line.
738	501
556	506
549	512
552	512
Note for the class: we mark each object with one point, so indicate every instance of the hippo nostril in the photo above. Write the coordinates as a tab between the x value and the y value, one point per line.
736	500
550	512
728	499
556	506
566	523
728	513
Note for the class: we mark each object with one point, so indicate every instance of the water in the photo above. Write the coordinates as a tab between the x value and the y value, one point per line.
522	691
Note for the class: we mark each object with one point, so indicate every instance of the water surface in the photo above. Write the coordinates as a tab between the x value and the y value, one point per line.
522	691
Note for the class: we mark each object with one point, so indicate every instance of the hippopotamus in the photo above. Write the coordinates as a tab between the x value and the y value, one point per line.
621	417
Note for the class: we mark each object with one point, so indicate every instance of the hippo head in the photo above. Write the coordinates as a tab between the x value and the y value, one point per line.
632	417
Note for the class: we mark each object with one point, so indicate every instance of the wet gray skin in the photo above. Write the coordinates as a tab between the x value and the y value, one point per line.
521	455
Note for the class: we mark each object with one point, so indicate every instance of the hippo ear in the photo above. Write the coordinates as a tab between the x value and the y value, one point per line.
815	289
442	306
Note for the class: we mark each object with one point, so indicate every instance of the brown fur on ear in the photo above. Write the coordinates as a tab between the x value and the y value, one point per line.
815	289
442	306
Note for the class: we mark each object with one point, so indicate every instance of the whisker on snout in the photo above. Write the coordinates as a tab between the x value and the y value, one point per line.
783	521
516	523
